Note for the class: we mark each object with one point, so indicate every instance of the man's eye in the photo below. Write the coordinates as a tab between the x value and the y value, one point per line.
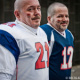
59	16
67	16
29	9
39	8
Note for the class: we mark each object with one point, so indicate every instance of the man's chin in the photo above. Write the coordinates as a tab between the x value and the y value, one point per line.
35	26
37	23
64	29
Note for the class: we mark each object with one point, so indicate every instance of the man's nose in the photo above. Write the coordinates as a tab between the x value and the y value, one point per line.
37	11
64	18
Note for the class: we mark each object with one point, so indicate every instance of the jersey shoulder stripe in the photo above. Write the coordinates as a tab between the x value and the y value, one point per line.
48	30
70	33
8	41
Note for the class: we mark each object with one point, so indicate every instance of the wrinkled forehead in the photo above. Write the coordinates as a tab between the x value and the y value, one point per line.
19	4
30	3
33	3
59	9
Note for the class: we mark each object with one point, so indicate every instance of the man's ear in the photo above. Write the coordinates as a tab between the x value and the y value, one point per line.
49	19
17	14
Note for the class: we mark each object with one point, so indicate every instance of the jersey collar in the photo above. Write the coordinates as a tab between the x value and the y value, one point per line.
61	33
26	26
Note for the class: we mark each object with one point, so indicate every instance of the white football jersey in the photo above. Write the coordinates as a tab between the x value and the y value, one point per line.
29	51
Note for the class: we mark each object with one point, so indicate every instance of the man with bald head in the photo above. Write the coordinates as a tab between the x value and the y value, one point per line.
24	51
60	40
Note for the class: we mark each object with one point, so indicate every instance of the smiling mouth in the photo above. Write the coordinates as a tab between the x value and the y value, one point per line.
64	24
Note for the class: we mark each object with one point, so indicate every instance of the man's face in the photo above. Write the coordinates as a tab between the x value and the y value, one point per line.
60	20
31	13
